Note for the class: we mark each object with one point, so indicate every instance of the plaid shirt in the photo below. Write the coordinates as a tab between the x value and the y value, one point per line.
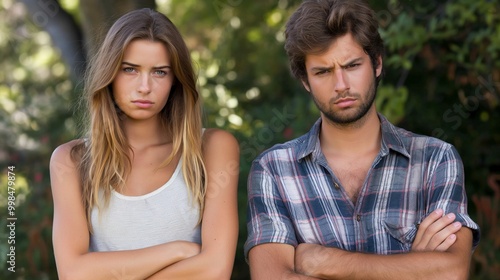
294	197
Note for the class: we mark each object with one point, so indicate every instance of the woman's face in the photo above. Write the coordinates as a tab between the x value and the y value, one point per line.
142	86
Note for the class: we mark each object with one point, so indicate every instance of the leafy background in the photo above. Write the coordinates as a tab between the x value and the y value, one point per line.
442	78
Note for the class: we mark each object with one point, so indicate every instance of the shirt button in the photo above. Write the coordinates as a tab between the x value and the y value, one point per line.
358	218
337	186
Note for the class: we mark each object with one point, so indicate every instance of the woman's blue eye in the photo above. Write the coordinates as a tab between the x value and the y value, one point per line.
160	73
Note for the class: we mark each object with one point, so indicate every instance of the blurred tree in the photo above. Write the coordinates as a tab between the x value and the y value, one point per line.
75	32
447	55
34	114
442	79
65	33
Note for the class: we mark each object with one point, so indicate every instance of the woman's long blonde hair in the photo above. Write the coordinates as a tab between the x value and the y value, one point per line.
103	157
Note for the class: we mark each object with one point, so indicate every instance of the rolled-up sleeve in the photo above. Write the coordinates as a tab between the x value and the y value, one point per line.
268	219
447	190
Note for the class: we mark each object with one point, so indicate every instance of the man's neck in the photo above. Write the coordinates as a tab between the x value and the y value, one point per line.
359	139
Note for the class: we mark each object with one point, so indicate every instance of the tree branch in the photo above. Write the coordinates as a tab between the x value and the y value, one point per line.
65	33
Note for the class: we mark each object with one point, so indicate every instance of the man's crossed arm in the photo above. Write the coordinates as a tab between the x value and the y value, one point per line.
441	250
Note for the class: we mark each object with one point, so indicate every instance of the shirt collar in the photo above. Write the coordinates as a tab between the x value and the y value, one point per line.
391	140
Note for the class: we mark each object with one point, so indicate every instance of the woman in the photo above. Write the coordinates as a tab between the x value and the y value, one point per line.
146	194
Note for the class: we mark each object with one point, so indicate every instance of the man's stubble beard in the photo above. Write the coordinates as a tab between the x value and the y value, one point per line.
348	120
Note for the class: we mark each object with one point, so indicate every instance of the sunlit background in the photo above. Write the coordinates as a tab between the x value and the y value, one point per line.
442	79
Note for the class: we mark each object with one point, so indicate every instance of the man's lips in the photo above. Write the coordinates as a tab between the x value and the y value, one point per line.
345	102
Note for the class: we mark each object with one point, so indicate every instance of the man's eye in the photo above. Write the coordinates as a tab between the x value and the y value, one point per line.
322	72
354	65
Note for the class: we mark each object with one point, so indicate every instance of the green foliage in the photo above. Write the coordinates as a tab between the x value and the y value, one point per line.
446	55
391	102
442	79
34	114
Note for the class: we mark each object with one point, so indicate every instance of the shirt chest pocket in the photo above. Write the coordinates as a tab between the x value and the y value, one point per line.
402	230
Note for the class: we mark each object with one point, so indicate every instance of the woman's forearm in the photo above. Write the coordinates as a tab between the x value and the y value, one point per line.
129	264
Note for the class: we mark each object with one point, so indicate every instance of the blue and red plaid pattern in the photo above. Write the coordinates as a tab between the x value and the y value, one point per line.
294	197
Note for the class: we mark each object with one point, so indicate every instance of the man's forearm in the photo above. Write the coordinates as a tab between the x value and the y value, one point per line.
277	274
274	261
332	263
414	265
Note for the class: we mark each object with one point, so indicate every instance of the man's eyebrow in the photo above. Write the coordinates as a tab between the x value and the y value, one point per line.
329	68
136	65
352	61
321	68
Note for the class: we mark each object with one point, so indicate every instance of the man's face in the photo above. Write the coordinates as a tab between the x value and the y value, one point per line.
342	81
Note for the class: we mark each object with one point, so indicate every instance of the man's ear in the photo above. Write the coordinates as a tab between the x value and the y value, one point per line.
378	70
305	83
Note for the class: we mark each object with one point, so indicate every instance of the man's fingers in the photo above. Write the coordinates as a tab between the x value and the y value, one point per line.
429	220
436	233
442	236
441	223
446	243
422	228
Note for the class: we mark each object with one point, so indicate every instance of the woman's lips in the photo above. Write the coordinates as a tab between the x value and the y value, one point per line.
143	104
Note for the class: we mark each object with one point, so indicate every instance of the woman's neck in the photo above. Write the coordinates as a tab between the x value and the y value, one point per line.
145	133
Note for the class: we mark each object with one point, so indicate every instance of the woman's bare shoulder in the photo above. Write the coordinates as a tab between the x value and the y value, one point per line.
215	137
61	156
221	151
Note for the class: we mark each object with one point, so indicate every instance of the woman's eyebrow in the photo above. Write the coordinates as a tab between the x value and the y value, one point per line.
136	65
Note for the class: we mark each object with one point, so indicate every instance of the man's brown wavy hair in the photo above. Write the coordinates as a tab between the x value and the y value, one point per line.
317	23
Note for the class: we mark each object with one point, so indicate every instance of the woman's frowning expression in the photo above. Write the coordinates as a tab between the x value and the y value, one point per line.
142	85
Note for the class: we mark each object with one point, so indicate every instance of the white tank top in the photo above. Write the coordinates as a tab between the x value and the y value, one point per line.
134	222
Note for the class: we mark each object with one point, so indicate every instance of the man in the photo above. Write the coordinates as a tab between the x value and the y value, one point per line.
356	197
